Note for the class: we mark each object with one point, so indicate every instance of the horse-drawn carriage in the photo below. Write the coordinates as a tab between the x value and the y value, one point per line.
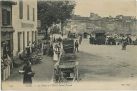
66	69
100	37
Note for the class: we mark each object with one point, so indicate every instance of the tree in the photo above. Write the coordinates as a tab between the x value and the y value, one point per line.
50	12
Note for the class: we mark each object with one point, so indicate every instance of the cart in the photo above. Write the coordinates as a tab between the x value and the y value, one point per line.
68	45
100	37
66	69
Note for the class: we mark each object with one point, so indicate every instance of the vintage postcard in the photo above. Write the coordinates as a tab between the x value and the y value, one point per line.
68	45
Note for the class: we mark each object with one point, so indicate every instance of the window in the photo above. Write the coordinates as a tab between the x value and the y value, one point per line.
27	38
6	17
35	35
33	14
27	12
32	36
21	9
19	35
23	40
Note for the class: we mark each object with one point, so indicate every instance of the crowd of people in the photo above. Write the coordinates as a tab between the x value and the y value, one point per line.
115	39
50	48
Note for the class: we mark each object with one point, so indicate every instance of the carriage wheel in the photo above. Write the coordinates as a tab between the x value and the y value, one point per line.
55	77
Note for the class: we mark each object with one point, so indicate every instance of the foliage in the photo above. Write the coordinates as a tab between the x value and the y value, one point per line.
52	12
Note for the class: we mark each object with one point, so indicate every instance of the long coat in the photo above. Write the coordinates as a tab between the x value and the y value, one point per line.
27	78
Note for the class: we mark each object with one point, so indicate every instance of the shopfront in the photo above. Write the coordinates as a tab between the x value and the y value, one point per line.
6	38
7	42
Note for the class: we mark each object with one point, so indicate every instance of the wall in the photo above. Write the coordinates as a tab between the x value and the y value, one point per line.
0	15
23	25
109	25
76	26
0	22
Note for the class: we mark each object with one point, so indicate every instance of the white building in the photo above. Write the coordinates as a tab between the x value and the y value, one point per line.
24	21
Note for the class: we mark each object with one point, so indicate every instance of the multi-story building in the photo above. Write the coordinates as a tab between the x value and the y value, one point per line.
18	27
119	24
77	24
24	21
6	27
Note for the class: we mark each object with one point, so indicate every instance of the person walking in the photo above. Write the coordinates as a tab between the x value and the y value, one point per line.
76	46
80	39
55	56
33	47
28	74
106	40
124	44
50	52
129	40
54	40
28	49
29	44
44	48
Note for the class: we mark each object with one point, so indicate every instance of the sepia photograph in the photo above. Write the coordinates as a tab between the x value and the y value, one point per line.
68	45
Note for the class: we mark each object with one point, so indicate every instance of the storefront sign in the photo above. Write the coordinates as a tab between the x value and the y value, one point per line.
27	25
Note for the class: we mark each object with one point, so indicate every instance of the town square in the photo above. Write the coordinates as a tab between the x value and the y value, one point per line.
73	44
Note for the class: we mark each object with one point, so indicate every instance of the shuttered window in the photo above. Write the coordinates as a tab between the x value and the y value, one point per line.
6	17
19	41
27	38
32	36
27	12
33	14
21	9
23	40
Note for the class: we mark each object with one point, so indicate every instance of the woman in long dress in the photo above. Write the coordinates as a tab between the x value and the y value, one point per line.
28	74
55	57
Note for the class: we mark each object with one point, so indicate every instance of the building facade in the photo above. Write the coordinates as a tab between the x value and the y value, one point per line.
76	24
119	24
24	21
6	26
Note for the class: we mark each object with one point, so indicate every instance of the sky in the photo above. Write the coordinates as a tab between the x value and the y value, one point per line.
106	7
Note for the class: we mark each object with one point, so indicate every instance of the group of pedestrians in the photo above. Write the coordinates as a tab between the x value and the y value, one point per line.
57	48
31	48
50	48
47	48
27	71
115	39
